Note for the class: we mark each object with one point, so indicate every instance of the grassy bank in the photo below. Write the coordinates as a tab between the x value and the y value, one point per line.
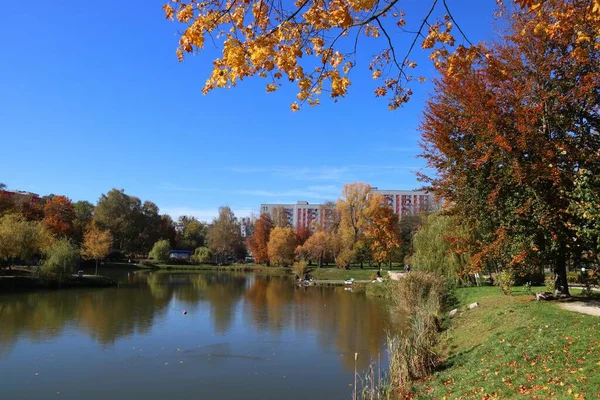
317	273
514	347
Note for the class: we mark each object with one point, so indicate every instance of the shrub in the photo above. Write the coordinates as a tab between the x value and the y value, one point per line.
160	251
505	281
61	260
418	291
202	255
299	268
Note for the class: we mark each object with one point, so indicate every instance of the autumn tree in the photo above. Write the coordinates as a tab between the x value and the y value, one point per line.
257	243
317	248
302	233
509	128
224	235
314	44
97	244
59	216
382	230
353	214
281	246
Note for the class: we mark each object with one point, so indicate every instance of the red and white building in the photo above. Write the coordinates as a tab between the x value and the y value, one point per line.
301	214
408	202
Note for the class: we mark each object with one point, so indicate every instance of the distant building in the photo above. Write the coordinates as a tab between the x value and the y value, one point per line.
301	214
20	197
177	254
408	202
246	227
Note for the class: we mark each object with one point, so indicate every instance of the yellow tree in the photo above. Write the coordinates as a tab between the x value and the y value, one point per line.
281	246
313	43
353	213
316	248
382	231
97	244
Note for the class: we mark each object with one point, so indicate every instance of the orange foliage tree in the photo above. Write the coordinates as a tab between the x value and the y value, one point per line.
59	216
507	132
97	244
257	243
382	230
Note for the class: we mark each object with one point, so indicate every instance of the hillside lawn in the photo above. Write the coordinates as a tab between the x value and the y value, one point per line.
515	347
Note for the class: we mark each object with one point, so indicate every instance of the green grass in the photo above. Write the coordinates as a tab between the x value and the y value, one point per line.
340	274
515	347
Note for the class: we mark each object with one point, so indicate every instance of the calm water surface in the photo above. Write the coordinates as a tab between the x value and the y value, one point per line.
244	337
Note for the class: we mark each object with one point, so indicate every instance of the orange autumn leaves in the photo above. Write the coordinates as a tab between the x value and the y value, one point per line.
313	43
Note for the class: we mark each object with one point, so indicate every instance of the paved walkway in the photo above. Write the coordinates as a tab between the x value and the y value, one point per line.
591	307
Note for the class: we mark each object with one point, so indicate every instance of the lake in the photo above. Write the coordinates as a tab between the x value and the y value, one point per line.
188	335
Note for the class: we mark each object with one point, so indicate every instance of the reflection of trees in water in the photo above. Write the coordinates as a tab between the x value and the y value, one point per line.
33	316
114	313
346	322
343	322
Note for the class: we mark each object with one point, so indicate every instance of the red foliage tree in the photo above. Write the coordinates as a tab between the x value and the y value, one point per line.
59	216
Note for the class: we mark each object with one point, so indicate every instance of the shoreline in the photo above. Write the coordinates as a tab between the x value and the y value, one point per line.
24	283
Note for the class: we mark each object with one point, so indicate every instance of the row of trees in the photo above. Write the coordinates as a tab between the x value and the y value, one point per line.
119	224
360	227
222	238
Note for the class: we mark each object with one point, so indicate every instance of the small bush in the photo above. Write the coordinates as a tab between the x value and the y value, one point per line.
299	268
160	251
202	255
505	281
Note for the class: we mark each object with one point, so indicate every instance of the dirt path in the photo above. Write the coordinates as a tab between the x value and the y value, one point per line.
589	307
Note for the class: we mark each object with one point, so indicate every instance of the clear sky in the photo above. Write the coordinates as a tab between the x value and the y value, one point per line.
92	98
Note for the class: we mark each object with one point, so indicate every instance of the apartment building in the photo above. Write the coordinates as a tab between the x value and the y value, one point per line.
301	214
408	202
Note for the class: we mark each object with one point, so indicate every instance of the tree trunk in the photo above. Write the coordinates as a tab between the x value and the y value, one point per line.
96	266
361	264
561	286
320	260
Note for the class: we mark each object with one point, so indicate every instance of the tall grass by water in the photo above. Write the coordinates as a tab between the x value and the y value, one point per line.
412	355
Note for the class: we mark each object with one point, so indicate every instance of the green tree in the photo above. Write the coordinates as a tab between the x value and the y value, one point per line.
202	255
121	215
84	212
61	260
161	251
225	236
192	233
22	239
433	248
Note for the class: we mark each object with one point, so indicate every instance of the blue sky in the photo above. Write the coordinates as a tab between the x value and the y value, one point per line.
92	98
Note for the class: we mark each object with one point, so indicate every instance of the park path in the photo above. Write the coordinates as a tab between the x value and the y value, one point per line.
589	307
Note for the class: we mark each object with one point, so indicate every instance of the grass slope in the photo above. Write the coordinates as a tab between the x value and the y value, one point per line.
514	347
